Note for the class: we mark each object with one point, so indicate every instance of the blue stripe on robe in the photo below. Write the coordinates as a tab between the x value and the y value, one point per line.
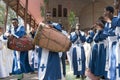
98	55
118	25
101	58
24	63
53	70
73	38
63	58
113	62
111	30
34	64
15	69
119	69
93	59
89	38
75	62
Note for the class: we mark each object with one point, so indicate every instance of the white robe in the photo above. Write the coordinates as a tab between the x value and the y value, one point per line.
87	48
4	71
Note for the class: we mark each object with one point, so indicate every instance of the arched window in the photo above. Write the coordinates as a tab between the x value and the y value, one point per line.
59	10
54	12
65	12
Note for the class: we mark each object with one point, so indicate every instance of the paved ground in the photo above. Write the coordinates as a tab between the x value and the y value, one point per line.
29	76
26	77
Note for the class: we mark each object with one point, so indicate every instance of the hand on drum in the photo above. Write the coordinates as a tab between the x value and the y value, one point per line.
49	26
7	34
46	25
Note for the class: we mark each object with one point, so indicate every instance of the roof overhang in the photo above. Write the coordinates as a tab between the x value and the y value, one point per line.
33	14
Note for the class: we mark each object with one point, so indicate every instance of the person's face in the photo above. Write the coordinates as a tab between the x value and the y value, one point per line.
106	12
77	27
33	30
107	15
48	17
117	4
14	23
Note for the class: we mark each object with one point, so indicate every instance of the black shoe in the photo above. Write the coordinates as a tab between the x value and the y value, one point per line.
83	77
10	73
102	77
78	76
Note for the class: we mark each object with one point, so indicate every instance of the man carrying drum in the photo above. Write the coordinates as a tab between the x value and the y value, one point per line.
20	60
49	61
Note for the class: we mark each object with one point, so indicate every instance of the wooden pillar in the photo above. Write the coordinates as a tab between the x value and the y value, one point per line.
18	2
93	10
30	22
6	16
69	10
25	17
34	23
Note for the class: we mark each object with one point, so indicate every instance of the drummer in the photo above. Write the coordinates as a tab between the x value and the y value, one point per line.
49	61
20	59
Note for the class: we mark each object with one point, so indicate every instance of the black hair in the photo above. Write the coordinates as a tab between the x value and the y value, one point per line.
100	23
14	19
101	18
110	9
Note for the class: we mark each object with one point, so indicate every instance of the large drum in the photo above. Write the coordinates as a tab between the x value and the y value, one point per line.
51	39
24	43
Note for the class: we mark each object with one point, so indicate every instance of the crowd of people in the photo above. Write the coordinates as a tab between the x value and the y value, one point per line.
94	51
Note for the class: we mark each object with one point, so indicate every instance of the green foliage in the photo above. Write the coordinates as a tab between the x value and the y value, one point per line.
2	13
46	1
11	14
71	18
42	11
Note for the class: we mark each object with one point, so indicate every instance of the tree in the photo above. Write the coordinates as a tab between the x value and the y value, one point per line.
42	11
2	13
44	8
11	13
71	19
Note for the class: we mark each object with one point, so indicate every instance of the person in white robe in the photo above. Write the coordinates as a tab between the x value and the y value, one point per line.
4	72
69	52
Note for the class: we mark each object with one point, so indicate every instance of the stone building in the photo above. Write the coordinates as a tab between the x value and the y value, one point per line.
86	11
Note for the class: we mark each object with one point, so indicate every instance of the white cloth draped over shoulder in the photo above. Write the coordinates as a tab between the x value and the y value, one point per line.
5	58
